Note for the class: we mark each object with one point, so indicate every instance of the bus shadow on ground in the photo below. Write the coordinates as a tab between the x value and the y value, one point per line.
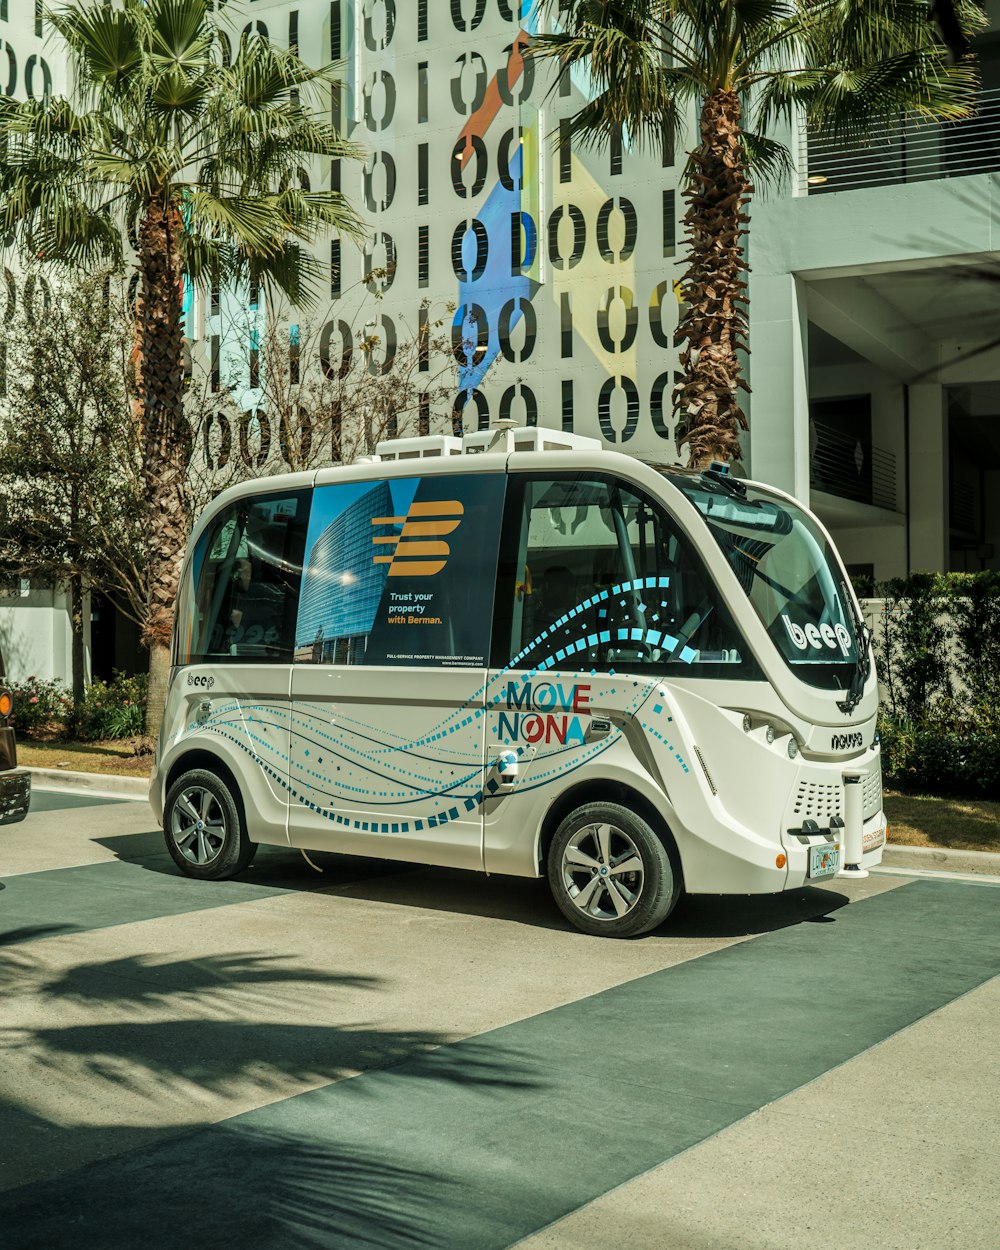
521	900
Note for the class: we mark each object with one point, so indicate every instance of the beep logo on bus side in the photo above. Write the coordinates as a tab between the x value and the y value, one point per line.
544	711
815	636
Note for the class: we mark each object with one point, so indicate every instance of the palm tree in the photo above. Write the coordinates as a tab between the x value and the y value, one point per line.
184	155
744	64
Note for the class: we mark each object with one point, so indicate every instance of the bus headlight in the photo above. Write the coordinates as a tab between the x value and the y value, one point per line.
769	733
793	747
747	723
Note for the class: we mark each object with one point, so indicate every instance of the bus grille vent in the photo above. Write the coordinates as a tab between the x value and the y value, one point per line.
704	768
872	791
817	801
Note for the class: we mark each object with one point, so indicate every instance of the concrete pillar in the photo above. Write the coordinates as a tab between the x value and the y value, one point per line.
779	375
928	466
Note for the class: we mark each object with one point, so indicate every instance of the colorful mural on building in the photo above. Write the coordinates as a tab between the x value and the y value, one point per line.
552	266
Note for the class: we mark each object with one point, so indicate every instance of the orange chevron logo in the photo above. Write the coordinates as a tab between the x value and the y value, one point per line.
418	550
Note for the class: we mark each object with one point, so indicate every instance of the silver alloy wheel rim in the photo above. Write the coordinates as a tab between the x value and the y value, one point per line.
198	826
602	872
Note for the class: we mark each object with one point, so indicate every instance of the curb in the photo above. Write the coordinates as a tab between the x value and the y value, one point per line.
99	785
940	858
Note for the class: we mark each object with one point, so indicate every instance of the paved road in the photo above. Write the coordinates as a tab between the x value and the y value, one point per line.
814	1070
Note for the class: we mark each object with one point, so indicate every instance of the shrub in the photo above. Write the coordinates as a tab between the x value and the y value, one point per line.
114	709
41	708
962	762
937	648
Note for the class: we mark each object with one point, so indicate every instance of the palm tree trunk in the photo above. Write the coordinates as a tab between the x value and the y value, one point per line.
166	437
713	324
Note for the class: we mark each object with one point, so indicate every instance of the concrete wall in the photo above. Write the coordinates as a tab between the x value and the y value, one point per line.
35	635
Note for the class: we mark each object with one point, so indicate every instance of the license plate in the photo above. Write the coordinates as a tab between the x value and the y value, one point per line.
824	860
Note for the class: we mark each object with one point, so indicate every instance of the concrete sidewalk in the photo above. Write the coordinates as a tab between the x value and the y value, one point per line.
381	1054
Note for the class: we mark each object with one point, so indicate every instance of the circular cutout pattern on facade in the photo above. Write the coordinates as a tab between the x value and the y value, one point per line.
656	327
579	224
525	80
255	425
380	276
386	346
11	56
478	66
624	294
507	314
660	426
627	210
377	200
482	243
469	146
470	325
343	366
527	396
475	18
631	394
377	78
462	401
40	63
378	41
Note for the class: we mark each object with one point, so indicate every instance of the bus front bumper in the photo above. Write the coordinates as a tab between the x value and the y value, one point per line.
15	796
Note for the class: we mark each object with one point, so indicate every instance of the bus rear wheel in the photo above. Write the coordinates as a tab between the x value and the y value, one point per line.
610	873
204	827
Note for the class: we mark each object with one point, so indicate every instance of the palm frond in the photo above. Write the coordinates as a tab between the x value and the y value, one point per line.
769	161
103	41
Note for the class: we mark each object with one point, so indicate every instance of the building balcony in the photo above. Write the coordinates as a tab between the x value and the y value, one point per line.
904	151
851	468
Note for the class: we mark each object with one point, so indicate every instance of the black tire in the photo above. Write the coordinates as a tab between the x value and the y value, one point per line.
582	862
204	828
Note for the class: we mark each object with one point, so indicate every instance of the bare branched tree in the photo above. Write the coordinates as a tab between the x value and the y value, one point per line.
296	394
70	457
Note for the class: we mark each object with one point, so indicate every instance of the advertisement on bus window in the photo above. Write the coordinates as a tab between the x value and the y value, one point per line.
401	572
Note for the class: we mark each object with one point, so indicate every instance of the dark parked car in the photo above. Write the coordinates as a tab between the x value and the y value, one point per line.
15	783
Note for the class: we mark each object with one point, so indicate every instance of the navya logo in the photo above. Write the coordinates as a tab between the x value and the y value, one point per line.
846	742
201	681
816	636
544	712
418	550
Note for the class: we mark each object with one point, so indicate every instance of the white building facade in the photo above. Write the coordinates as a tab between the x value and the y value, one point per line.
553	271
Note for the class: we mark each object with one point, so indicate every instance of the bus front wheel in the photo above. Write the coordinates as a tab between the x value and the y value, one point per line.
204	827
610	873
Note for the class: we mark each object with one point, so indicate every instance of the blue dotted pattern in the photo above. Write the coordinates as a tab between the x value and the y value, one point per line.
365	747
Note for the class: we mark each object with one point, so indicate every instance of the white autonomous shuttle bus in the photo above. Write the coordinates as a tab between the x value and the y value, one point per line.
519	653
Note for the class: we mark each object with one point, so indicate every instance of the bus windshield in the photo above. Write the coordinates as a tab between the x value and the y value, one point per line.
789	573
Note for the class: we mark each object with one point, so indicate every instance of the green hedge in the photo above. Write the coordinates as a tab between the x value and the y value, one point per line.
940	761
115	709
937	649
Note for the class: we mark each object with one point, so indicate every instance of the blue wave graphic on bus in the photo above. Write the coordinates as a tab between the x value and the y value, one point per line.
396	770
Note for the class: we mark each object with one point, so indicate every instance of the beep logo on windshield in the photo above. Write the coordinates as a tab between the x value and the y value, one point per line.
816	636
417	551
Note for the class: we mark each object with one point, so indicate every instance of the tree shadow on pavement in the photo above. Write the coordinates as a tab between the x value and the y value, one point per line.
105	1057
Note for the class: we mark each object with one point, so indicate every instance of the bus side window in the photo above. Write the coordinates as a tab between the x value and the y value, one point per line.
604	579
245	580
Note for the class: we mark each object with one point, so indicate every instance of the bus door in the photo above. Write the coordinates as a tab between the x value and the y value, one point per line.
600	599
236	620
389	681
